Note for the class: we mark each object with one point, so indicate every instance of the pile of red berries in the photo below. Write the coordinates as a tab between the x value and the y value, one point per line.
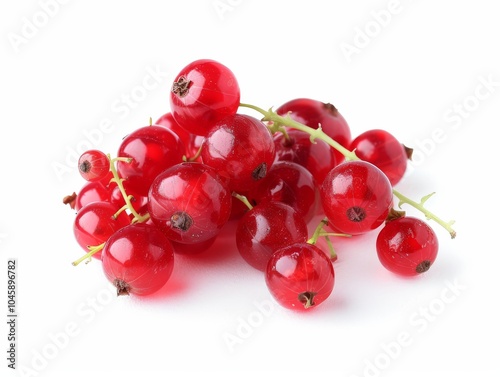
173	186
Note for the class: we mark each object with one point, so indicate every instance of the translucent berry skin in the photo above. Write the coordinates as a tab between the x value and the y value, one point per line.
312	113
191	141
300	276
318	158
193	248
92	192
94	224
152	149
267	228
93	165
241	148
203	92
407	246
384	151
189	202
356	197
290	183
138	260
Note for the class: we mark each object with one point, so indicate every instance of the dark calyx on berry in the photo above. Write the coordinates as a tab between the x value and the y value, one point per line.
307	299
331	109
181	86
181	220
85	166
122	288
423	266
259	172
356	214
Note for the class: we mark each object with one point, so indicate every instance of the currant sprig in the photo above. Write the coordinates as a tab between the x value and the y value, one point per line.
137	218
119	181
320	232
281	121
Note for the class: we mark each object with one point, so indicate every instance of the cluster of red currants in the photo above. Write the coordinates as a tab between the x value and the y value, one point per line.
175	184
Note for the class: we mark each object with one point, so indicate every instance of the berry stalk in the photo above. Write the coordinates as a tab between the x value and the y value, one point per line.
271	116
119	181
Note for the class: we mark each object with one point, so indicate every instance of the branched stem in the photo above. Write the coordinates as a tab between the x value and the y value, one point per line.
320	232
119	181
271	116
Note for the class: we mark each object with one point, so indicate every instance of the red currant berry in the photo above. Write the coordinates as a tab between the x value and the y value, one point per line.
290	183
356	197
92	192
193	248
313	113
189	202
138	260
266	228
96	222
152	149
93	165
191	141
241	148
300	276
319	158
204	92
407	246
384	151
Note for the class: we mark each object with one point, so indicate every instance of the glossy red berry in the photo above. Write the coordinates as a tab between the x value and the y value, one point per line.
241	148
189	202
138	260
92	192
318	158
300	276
384	151
203	92
356	197
191	141
289	183
266	228
407	246
95	223
93	165
313	113
152	149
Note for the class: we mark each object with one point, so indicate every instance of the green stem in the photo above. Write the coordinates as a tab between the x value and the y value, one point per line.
428	214
92	250
314	133
271	116
243	199
317	232
119	182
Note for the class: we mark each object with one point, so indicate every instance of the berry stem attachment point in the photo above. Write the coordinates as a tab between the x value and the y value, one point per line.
271	116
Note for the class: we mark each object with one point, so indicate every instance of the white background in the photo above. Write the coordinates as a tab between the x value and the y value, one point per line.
66	69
